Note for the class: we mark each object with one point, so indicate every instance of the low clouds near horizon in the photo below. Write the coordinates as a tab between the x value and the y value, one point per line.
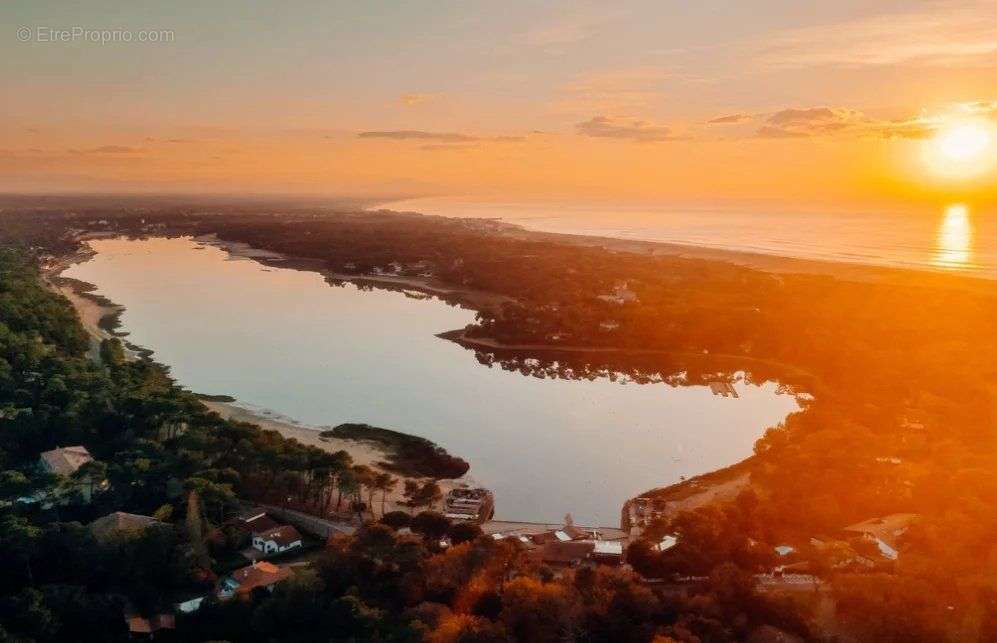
625	129
730	119
823	121
108	149
438	137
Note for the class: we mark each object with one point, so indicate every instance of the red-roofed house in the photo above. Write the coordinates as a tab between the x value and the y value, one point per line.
141	625
243	581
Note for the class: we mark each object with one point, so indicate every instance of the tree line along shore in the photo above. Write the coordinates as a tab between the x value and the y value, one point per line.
900	423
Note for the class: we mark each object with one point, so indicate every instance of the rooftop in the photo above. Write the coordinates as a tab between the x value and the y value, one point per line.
65	461
261	574
119	521
283	535
566	552
885	528
141	625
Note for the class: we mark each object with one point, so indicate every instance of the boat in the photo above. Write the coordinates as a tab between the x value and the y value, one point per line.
474	505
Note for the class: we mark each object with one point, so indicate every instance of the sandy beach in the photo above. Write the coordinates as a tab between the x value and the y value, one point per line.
362	452
91	310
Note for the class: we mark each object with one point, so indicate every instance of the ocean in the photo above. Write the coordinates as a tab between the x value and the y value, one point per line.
953	238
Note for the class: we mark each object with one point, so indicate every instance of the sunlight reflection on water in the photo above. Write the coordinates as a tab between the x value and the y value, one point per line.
954	242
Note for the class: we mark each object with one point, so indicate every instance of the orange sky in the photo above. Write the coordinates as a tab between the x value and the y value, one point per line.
829	104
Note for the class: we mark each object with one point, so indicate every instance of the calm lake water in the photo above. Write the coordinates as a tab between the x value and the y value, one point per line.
951	237
287	341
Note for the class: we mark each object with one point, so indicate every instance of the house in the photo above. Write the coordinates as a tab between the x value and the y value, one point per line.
64	462
621	295
884	532
277	540
666	543
120	523
244	580
255	521
565	554
189	605
607	552
149	626
570	553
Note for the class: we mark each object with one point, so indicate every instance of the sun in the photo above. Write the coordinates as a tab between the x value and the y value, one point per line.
963	142
960	150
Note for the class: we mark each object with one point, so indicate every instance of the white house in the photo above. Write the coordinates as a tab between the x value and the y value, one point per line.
277	540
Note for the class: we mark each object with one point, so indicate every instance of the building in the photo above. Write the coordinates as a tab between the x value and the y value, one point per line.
66	461
190	605
621	295
143	626
120	523
255	521
476	505
667	542
277	540
258	575
884	532
608	552
565	554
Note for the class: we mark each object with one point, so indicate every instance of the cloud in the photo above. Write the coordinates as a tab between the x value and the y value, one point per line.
833	121
767	131
439	137
419	135
815	119
446	147
632	130
109	149
732	118
413	99
944	35
985	109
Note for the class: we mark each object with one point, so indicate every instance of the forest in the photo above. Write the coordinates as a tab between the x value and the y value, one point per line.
901	419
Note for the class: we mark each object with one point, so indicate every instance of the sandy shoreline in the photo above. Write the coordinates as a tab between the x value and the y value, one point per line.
91	310
362	452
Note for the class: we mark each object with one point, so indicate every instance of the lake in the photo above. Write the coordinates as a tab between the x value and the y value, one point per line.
287	341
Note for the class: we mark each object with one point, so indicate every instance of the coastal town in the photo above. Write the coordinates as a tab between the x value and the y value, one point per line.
274	543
